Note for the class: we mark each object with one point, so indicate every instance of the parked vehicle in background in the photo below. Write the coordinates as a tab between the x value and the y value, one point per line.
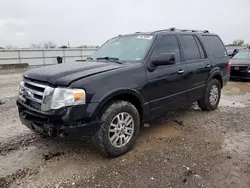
233	50
240	65
230	51
130	80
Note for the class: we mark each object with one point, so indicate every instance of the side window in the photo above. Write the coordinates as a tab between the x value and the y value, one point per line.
167	44
215	46
202	53
190	47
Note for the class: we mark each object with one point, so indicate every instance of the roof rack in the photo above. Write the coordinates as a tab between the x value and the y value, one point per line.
182	30
189	30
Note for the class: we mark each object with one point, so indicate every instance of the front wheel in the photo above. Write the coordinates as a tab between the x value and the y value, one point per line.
211	99
117	135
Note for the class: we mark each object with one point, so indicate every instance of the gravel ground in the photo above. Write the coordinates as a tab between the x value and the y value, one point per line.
189	148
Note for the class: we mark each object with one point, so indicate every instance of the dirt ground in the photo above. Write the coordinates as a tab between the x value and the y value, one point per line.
189	148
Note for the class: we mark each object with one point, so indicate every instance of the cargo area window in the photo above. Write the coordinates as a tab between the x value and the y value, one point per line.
215	46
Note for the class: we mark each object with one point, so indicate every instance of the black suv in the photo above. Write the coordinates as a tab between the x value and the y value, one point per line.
129	81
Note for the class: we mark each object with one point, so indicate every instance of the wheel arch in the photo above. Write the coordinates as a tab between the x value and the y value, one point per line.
216	75
130	95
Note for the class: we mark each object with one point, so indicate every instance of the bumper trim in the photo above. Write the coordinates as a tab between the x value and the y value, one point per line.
72	131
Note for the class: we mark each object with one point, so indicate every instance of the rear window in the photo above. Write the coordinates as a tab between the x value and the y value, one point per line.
190	47
215	46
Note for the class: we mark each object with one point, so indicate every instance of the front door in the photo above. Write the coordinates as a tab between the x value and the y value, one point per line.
167	86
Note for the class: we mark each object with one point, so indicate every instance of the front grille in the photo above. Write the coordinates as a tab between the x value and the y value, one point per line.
33	93
239	68
33	104
34	87
236	73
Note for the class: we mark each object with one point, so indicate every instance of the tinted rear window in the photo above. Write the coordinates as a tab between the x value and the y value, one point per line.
215	46
202	53
190	47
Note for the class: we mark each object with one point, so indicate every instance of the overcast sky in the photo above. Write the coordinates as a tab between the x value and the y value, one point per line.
79	22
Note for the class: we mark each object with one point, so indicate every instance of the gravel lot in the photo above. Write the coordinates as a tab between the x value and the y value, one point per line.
189	148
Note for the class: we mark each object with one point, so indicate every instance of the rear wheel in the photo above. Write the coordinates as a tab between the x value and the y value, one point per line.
211	99
117	135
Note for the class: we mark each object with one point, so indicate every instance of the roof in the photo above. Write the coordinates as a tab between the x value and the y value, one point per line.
171	30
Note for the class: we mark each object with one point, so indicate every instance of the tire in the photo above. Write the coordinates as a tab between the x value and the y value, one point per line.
104	137
209	104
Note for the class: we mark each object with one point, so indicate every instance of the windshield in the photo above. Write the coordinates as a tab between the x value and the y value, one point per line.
125	48
242	55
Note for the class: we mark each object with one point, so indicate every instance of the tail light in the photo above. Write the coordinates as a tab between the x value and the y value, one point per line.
228	65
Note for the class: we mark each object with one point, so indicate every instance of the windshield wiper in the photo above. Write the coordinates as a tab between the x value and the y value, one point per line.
113	59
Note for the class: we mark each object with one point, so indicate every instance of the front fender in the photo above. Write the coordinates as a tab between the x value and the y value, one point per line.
109	96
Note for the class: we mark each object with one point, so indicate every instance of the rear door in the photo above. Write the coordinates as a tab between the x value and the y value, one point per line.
198	65
166	86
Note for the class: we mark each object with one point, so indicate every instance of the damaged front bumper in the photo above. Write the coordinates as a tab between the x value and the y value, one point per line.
68	121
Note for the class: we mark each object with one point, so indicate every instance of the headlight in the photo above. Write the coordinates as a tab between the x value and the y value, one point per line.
67	97
21	86
21	91
248	71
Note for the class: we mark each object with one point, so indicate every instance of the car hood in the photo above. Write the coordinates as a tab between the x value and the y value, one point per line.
65	74
240	62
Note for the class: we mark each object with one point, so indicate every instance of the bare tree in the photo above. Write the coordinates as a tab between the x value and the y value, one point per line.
35	45
49	44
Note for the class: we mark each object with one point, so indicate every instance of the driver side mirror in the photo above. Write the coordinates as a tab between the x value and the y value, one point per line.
164	59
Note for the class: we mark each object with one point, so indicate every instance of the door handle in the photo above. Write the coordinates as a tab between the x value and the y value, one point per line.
208	66
180	71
